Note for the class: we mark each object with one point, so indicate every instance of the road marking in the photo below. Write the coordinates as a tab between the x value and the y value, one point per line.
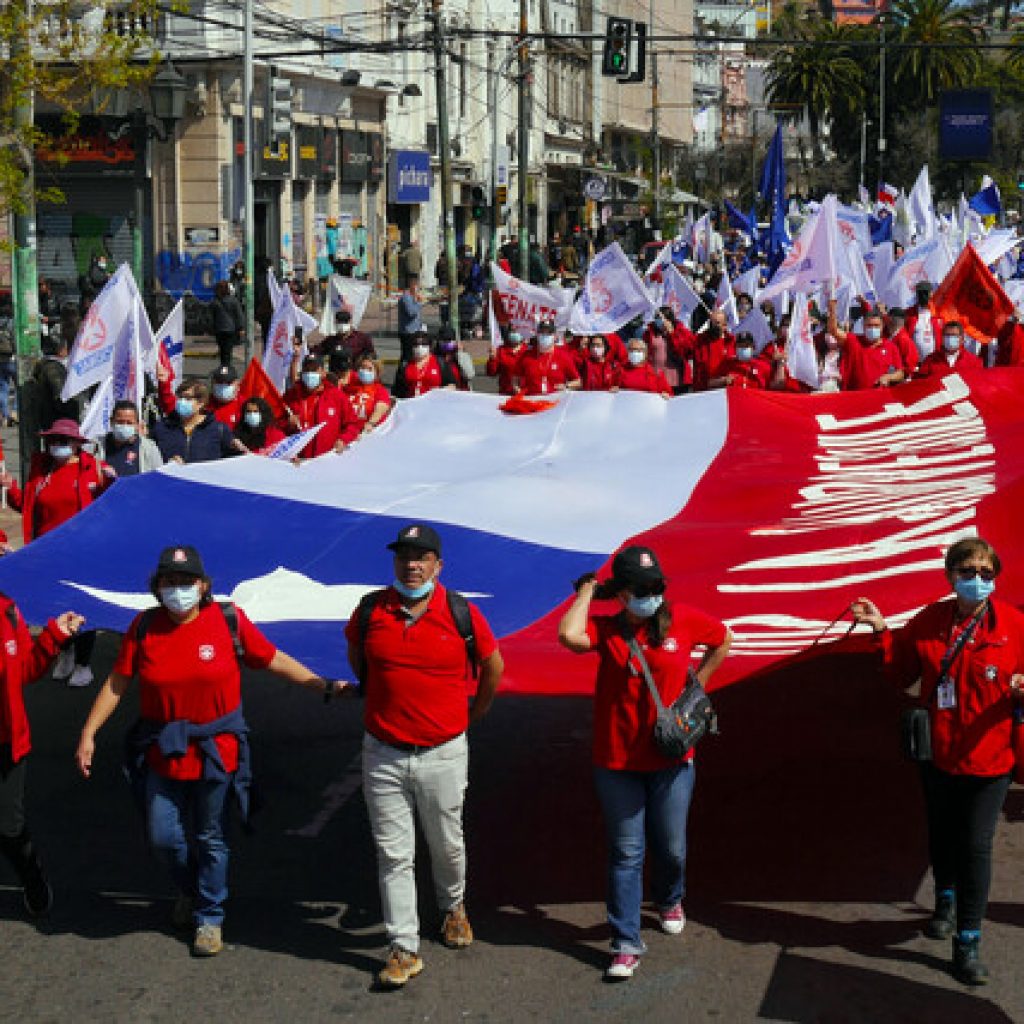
335	796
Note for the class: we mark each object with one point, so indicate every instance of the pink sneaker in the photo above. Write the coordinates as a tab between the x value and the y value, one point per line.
673	920
622	967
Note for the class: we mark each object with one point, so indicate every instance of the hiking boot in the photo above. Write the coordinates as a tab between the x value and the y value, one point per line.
622	967
967	966
456	932
942	923
207	941
673	920
401	965
181	912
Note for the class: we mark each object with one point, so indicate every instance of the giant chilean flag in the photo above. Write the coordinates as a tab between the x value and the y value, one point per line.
772	511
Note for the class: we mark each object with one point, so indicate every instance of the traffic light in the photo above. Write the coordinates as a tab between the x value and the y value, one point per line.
479	203
617	41
279	110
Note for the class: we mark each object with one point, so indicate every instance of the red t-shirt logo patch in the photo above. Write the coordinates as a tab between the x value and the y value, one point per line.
206	652
670	645
12	648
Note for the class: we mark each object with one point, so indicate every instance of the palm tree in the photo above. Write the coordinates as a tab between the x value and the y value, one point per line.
817	77
921	70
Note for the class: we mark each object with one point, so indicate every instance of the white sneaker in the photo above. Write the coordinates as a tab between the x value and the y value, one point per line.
64	665
82	676
622	967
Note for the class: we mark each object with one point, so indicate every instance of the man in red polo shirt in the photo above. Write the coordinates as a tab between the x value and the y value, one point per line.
415	669
952	357
312	399
224	402
869	360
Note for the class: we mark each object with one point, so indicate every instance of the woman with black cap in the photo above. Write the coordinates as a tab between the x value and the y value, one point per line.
189	751
641	791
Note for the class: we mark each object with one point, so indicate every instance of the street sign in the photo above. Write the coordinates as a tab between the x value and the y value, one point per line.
502	193
594	188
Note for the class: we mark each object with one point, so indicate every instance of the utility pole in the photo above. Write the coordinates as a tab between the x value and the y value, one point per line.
448	217
881	102
655	140
247	202
25	289
523	137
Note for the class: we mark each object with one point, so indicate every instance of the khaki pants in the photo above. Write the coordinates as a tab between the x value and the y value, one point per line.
397	786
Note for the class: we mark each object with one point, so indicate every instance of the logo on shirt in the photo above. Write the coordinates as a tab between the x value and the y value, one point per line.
670	645
991	673
206	652
11	647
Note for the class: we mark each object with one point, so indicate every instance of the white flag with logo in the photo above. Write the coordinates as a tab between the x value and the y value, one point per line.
344	293
996	244
525	304
170	340
748	283
679	296
755	323
812	259
920	208
725	300
129	377
854	226
612	295
277	353
92	354
96	421
290	446
801	356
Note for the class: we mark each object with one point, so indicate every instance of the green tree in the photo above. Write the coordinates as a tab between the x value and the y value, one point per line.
818	77
64	60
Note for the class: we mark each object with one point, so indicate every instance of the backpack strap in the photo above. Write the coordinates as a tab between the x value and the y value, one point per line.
230	613
364	610
459	607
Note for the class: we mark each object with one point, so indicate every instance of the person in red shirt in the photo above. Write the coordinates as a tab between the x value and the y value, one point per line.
598	371
952	357
661	353
639	375
62	481
189	750
369	398
744	369
257	430
312	400
412	658
544	368
710	348
640	789
902	338
869	360
224	401
968	655
24	660
502	361
423	372
923	326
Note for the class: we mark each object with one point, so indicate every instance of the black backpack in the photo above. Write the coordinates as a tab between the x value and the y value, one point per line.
457	605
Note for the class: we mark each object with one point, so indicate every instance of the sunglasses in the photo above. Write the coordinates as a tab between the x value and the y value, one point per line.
967	572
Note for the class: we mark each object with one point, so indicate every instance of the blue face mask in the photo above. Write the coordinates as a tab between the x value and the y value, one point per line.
180	600
123	432
366	376
311	380
253	419
224	392
61	452
413	593
644	607
744	355
185	408
975	590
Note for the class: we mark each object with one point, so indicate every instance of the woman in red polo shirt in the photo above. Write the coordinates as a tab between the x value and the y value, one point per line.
190	746
369	398
968	654
634	780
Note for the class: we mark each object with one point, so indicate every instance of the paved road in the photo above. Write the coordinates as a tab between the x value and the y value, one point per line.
805	870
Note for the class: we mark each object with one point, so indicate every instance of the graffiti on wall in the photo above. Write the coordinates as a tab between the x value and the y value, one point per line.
181	273
66	242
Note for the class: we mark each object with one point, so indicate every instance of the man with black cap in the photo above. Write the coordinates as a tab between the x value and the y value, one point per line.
346	338
423	371
313	399
922	324
224	402
414	647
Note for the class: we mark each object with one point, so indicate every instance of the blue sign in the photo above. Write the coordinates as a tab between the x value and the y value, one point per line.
965	124
409	176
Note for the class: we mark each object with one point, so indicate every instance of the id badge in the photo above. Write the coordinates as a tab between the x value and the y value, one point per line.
946	695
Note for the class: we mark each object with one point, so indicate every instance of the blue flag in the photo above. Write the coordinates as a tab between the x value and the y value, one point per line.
987	202
773	172
739	220
881	228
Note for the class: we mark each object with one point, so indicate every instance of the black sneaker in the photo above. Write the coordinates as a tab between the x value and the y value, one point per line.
38	895
967	966
942	923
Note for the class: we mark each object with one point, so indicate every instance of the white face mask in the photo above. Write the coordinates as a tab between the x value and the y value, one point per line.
366	376
951	342
123	432
253	419
635	357
545	342
61	452
311	380
224	392
872	333
181	600
345	328
420	351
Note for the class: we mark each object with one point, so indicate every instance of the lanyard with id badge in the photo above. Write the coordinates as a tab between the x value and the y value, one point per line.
916	721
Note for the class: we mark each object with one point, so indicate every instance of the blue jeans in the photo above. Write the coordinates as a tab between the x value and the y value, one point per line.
635	804
186	821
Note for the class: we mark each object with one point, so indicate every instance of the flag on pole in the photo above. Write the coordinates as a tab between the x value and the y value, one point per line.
920	207
679	296
256	384
755	323
812	259
277	353
725	300
801	356
344	293
987	200
888	194
170	342
96	421
972	294
612	295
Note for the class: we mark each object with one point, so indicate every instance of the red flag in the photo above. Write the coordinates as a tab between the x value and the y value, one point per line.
972	294
256	384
